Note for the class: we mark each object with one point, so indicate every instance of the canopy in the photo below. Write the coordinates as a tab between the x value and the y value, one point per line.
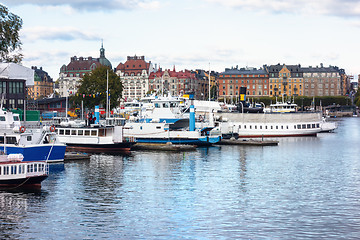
16	71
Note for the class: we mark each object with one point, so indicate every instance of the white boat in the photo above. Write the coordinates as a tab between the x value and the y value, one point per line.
95	138
252	125
327	126
33	144
16	173
282	107
162	132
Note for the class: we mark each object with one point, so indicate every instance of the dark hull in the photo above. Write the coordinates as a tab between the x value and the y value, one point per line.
23	182
99	148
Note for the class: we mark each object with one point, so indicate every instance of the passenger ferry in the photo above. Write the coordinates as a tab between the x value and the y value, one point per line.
95	138
256	125
15	173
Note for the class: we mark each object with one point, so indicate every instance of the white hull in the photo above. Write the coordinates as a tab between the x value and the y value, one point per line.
270	125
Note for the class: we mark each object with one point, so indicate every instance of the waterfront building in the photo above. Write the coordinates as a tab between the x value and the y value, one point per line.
285	80
71	74
14	79
43	84
134	75
322	81
173	82
255	80
203	83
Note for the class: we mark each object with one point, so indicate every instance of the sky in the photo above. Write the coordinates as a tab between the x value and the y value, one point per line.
191	34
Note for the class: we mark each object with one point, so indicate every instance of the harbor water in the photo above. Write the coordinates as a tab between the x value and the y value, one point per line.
304	188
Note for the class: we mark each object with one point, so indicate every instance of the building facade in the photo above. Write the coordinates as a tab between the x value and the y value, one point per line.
174	83
134	75
43	84
14	80
71	74
322	81
255	80
285	80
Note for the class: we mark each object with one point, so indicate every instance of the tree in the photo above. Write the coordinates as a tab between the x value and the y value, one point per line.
10	44
92	88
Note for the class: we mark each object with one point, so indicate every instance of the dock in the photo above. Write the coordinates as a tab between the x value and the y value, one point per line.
163	147
251	142
71	156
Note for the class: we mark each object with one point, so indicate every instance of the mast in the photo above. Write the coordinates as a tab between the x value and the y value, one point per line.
107	93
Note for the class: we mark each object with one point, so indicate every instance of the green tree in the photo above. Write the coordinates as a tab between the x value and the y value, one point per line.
10	44
92	88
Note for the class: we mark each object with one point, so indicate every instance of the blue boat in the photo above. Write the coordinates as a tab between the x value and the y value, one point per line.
40	144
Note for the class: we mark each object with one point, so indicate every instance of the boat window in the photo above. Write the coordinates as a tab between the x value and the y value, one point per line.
6	170
294	126
299	126
1	170
2	118
265	127
67	132
277	127
313	125
317	125
16	118
20	169
157	105
308	126
158	127
287	127
250	126
102	132
282	127
13	169
61	132
93	133
244	126
271	127
255	127
35	167
73	132
29	138
80	132
303	126
260	127
87	132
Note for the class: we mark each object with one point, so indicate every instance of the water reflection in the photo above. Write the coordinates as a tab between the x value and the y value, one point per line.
304	188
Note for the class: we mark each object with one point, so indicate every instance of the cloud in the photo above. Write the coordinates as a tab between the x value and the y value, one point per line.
342	8
90	5
63	34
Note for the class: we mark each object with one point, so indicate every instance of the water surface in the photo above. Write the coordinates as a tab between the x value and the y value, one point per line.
305	188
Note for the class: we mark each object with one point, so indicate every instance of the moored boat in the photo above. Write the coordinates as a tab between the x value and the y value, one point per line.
95	138
16	173
34	144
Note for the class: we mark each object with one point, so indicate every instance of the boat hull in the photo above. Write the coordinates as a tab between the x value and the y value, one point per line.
205	141
23	182
97	148
38	152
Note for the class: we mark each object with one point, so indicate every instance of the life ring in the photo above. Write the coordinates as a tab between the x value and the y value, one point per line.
52	129
22	129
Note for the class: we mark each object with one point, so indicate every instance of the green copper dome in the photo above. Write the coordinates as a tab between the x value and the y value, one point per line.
103	60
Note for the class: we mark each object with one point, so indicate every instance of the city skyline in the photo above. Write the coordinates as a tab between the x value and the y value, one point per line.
202	34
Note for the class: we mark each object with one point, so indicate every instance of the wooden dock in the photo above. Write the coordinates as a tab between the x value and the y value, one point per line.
251	142
71	156
163	147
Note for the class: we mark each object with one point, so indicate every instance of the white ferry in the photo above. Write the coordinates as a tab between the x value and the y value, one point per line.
256	125
15	173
